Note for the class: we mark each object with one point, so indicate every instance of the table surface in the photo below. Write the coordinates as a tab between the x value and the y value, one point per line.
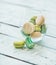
13	14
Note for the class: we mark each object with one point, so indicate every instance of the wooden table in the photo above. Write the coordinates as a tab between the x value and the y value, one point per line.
13	14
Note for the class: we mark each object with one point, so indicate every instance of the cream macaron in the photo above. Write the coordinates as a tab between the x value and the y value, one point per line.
40	20
35	35
28	28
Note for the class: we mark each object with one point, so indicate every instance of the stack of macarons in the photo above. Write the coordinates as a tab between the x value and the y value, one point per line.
35	27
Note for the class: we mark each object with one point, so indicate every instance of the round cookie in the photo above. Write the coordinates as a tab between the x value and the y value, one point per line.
35	34
40	20
28	28
19	44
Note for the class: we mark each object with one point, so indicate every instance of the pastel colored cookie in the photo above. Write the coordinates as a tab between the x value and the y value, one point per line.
29	43
33	20
40	20
19	44
43	28
28	28
37	28
35	34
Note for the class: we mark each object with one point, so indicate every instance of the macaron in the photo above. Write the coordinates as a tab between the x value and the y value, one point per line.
29	43
28	28
19	44
43	28
40	20
35	35
37	28
33	20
